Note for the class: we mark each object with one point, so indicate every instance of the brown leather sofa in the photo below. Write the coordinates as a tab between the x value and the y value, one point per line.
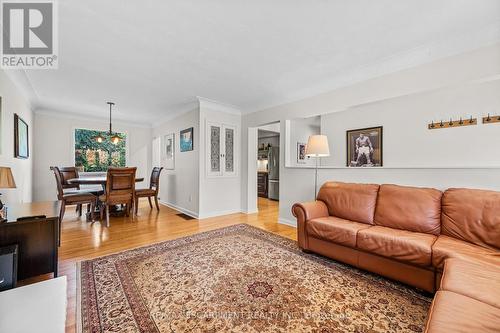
419	236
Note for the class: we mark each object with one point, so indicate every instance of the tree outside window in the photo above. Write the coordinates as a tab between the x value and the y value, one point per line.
92	156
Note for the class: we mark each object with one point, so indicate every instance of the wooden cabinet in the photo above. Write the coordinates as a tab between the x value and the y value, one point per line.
221	150
34	227
262	184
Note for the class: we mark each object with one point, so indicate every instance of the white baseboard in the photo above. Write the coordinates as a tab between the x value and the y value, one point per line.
218	213
255	211
180	209
291	223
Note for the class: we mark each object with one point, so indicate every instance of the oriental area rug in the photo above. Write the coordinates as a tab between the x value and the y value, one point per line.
239	279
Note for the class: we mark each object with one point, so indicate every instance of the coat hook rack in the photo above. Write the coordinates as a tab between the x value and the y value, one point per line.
457	123
491	119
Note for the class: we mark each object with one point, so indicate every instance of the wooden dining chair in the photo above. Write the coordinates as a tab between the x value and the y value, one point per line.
152	191
120	189
71	198
68	173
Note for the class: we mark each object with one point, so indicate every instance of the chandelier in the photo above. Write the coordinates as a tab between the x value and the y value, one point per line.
113	137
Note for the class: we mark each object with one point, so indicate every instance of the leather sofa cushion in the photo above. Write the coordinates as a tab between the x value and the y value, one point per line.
355	202
406	246
451	312
335	229
477	280
472	216
409	208
447	247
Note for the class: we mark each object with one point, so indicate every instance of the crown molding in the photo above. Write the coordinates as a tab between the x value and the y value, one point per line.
84	117
218	106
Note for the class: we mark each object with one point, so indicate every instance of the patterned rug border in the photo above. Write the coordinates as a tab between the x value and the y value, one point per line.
267	236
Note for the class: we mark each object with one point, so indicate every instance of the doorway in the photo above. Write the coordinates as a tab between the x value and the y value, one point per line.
268	166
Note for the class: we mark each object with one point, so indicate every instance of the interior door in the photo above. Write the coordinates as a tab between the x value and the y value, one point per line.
214	149
229	152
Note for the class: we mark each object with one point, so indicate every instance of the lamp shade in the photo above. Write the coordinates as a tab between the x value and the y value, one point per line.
6	178
317	145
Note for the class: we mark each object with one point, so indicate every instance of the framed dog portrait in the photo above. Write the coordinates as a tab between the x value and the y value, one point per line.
364	147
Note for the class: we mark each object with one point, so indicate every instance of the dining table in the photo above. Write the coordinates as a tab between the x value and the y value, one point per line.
95	180
99	180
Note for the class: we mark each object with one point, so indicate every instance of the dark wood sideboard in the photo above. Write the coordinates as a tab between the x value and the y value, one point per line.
36	237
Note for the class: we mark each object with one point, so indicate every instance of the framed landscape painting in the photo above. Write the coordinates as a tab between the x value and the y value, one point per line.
21	143
186	139
364	147
169	151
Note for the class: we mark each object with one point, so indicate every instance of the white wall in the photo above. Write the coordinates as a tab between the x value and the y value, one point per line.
448	87
407	140
299	131
179	188
13	101
54	145
219	195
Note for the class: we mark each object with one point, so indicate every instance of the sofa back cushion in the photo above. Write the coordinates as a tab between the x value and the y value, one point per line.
355	202
472	216
409	208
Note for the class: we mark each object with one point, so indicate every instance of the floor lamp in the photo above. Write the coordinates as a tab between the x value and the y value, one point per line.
317	146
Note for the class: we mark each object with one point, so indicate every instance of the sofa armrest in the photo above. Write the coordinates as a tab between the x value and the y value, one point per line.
304	212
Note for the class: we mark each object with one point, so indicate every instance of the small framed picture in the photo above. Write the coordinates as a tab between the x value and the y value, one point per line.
169	151
21	143
301	153
364	147
186	139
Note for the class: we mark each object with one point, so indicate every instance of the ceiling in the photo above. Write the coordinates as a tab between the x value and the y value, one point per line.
154	57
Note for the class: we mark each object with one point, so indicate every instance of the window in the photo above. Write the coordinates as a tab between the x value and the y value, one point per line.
92	156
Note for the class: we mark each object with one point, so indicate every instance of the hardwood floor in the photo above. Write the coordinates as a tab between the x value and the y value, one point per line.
82	240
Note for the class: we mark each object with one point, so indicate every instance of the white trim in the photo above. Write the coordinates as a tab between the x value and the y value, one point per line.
219	213
200	216
245	211
92	118
180	209
287	222
218	106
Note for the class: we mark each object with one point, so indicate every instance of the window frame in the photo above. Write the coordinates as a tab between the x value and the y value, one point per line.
73	140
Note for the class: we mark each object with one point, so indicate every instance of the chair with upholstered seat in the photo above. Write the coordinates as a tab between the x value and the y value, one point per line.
120	189
77	197
68	173
152	191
